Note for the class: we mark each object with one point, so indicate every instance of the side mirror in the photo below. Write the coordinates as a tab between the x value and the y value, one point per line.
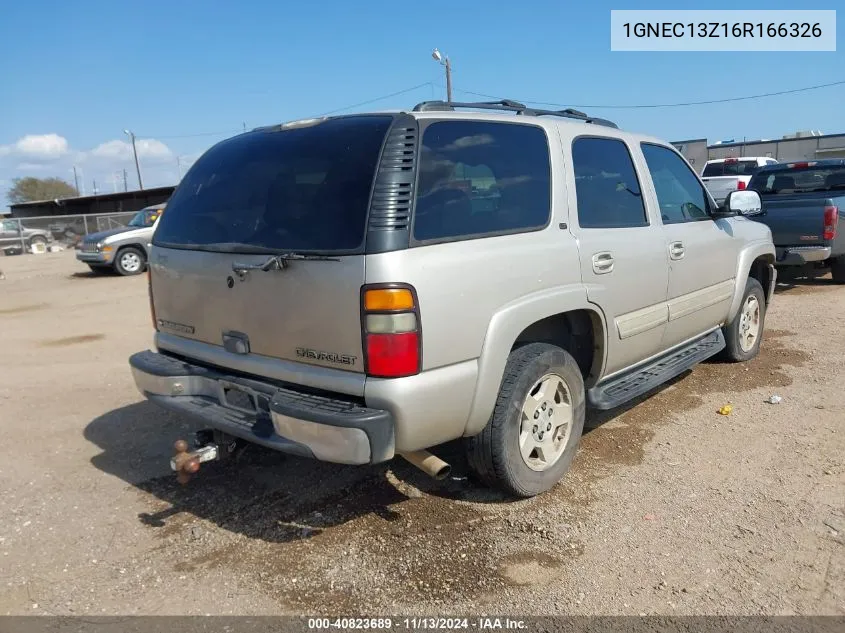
746	202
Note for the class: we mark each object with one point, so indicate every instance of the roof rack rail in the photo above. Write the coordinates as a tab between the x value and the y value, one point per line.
508	105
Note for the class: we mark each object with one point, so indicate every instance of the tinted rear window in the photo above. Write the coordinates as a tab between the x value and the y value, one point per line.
735	168
799	180
301	189
479	178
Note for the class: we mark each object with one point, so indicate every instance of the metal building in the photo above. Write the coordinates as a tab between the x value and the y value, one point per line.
123	201
799	146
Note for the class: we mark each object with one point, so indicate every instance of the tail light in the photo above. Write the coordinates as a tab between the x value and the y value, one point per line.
390	321
740	185
150	293
831	221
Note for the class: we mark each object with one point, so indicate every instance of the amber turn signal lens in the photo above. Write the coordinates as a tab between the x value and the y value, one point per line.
389	299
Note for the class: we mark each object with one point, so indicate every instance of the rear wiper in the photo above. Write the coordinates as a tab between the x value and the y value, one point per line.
280	262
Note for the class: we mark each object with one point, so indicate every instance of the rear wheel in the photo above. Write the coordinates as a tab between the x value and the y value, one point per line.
744	334
37	239
837	270
533	434
129	261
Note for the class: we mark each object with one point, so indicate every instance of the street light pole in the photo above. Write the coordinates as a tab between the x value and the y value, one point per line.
131	136
75	180
443	60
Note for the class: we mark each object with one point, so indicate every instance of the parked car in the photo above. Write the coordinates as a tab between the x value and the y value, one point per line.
124	249
803	203
723	175
344	288
14	234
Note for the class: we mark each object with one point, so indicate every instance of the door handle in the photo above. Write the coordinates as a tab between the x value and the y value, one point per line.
676	250
602	263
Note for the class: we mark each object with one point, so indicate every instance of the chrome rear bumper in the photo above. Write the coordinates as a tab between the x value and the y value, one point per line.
328	427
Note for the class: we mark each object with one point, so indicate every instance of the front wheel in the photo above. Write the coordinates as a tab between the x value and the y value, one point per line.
745	332
533	434
130	261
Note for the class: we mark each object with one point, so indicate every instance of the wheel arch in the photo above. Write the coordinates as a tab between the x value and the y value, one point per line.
757	260
560	316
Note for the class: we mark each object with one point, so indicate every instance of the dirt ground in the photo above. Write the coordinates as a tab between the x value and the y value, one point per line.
670	508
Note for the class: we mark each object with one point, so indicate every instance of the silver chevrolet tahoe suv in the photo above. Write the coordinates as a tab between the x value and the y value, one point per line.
358	287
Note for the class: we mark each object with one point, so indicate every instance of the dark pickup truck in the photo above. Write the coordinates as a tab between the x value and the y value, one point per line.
802	205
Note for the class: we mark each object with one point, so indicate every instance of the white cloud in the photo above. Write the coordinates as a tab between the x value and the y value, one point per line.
45	155
148	148
40	147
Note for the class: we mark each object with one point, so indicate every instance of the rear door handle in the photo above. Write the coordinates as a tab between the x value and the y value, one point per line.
602	263
676	250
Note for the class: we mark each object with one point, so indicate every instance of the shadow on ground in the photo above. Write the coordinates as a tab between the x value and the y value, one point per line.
806	279
262	493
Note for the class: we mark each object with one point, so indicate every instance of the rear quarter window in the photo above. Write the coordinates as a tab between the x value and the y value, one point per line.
481	178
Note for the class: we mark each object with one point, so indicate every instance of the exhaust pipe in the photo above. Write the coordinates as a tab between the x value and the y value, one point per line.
430	464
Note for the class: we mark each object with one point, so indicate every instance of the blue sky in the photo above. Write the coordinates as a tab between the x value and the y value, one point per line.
183	73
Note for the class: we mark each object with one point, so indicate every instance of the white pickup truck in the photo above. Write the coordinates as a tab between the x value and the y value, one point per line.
723	175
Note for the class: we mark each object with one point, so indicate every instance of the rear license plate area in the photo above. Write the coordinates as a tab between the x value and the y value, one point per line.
238	397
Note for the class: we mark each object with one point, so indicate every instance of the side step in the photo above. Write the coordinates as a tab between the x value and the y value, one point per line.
627	386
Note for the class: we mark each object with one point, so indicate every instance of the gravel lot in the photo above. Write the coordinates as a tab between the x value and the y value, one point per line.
670	508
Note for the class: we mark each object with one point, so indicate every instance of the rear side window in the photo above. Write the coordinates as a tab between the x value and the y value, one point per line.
731	167
298	189
478	178
606	185
799	180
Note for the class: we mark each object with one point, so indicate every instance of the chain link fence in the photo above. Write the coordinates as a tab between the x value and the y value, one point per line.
55	232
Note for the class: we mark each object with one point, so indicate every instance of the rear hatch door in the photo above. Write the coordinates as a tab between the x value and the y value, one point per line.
264	239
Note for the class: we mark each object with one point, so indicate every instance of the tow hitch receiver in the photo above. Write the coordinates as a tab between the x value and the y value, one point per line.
209	445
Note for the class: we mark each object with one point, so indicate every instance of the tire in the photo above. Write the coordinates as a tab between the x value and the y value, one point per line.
739	348
130	261
837	270
37	239
495	455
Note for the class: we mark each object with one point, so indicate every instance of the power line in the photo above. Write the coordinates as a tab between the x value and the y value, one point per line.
662	105
382	98
349	107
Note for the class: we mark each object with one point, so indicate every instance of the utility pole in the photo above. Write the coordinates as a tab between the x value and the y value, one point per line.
179	169
96	191
443	60
131	136
125	181
75	180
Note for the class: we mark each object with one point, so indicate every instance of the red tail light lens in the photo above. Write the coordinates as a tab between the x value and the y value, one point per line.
740	185
393	355
831	222
390	321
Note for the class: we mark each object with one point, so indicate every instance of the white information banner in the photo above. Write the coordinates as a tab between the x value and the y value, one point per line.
723	30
